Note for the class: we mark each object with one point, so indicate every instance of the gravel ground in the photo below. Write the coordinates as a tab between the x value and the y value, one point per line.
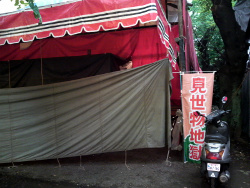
136	169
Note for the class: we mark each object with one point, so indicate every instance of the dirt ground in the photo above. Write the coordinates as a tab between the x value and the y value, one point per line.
138	168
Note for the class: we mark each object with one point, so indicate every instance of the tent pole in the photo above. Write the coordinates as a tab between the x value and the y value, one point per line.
182	62
183	148
181	37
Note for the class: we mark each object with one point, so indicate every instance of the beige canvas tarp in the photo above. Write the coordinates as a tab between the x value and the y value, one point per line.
112	112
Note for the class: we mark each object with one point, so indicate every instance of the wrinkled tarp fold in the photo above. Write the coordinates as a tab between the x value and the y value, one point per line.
117	111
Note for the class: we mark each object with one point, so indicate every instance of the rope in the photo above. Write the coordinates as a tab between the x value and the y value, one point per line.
81	163
126	160
10	129
13	165
168	163
9	74
41	62
58	162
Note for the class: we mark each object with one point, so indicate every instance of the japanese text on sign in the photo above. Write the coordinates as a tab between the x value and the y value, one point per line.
198	103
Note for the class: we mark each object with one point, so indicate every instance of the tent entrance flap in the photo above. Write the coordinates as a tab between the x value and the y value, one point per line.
116	111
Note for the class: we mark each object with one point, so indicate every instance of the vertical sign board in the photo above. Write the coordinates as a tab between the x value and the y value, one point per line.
197	93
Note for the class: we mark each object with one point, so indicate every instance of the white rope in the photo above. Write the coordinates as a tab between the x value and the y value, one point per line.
58	162
13	165
126	160
167	161
81	163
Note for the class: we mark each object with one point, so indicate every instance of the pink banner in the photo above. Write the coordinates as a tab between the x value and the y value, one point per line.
197	94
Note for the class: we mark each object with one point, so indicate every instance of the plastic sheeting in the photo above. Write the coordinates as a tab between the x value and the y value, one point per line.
117	111
242	13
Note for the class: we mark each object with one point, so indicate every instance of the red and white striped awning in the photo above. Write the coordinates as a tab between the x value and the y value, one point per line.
83	16
76	17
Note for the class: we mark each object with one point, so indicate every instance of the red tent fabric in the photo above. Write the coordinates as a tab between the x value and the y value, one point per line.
190	54
70	30
128	44
76	17
86	16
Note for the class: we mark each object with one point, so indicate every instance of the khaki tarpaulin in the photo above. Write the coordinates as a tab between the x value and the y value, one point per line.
112	112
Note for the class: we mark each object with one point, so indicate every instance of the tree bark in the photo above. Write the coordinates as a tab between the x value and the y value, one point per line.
231	74
203	48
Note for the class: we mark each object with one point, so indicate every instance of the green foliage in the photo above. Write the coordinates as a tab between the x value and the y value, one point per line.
35	9
209	44
19	3
208	41
202	5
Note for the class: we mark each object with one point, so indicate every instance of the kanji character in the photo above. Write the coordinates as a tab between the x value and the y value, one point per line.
198	102
194	152
198	85
197	136
196	121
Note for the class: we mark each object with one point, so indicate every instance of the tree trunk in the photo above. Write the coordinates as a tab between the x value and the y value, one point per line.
203	48
231	74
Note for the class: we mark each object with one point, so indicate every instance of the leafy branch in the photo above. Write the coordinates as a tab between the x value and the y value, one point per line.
33	6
